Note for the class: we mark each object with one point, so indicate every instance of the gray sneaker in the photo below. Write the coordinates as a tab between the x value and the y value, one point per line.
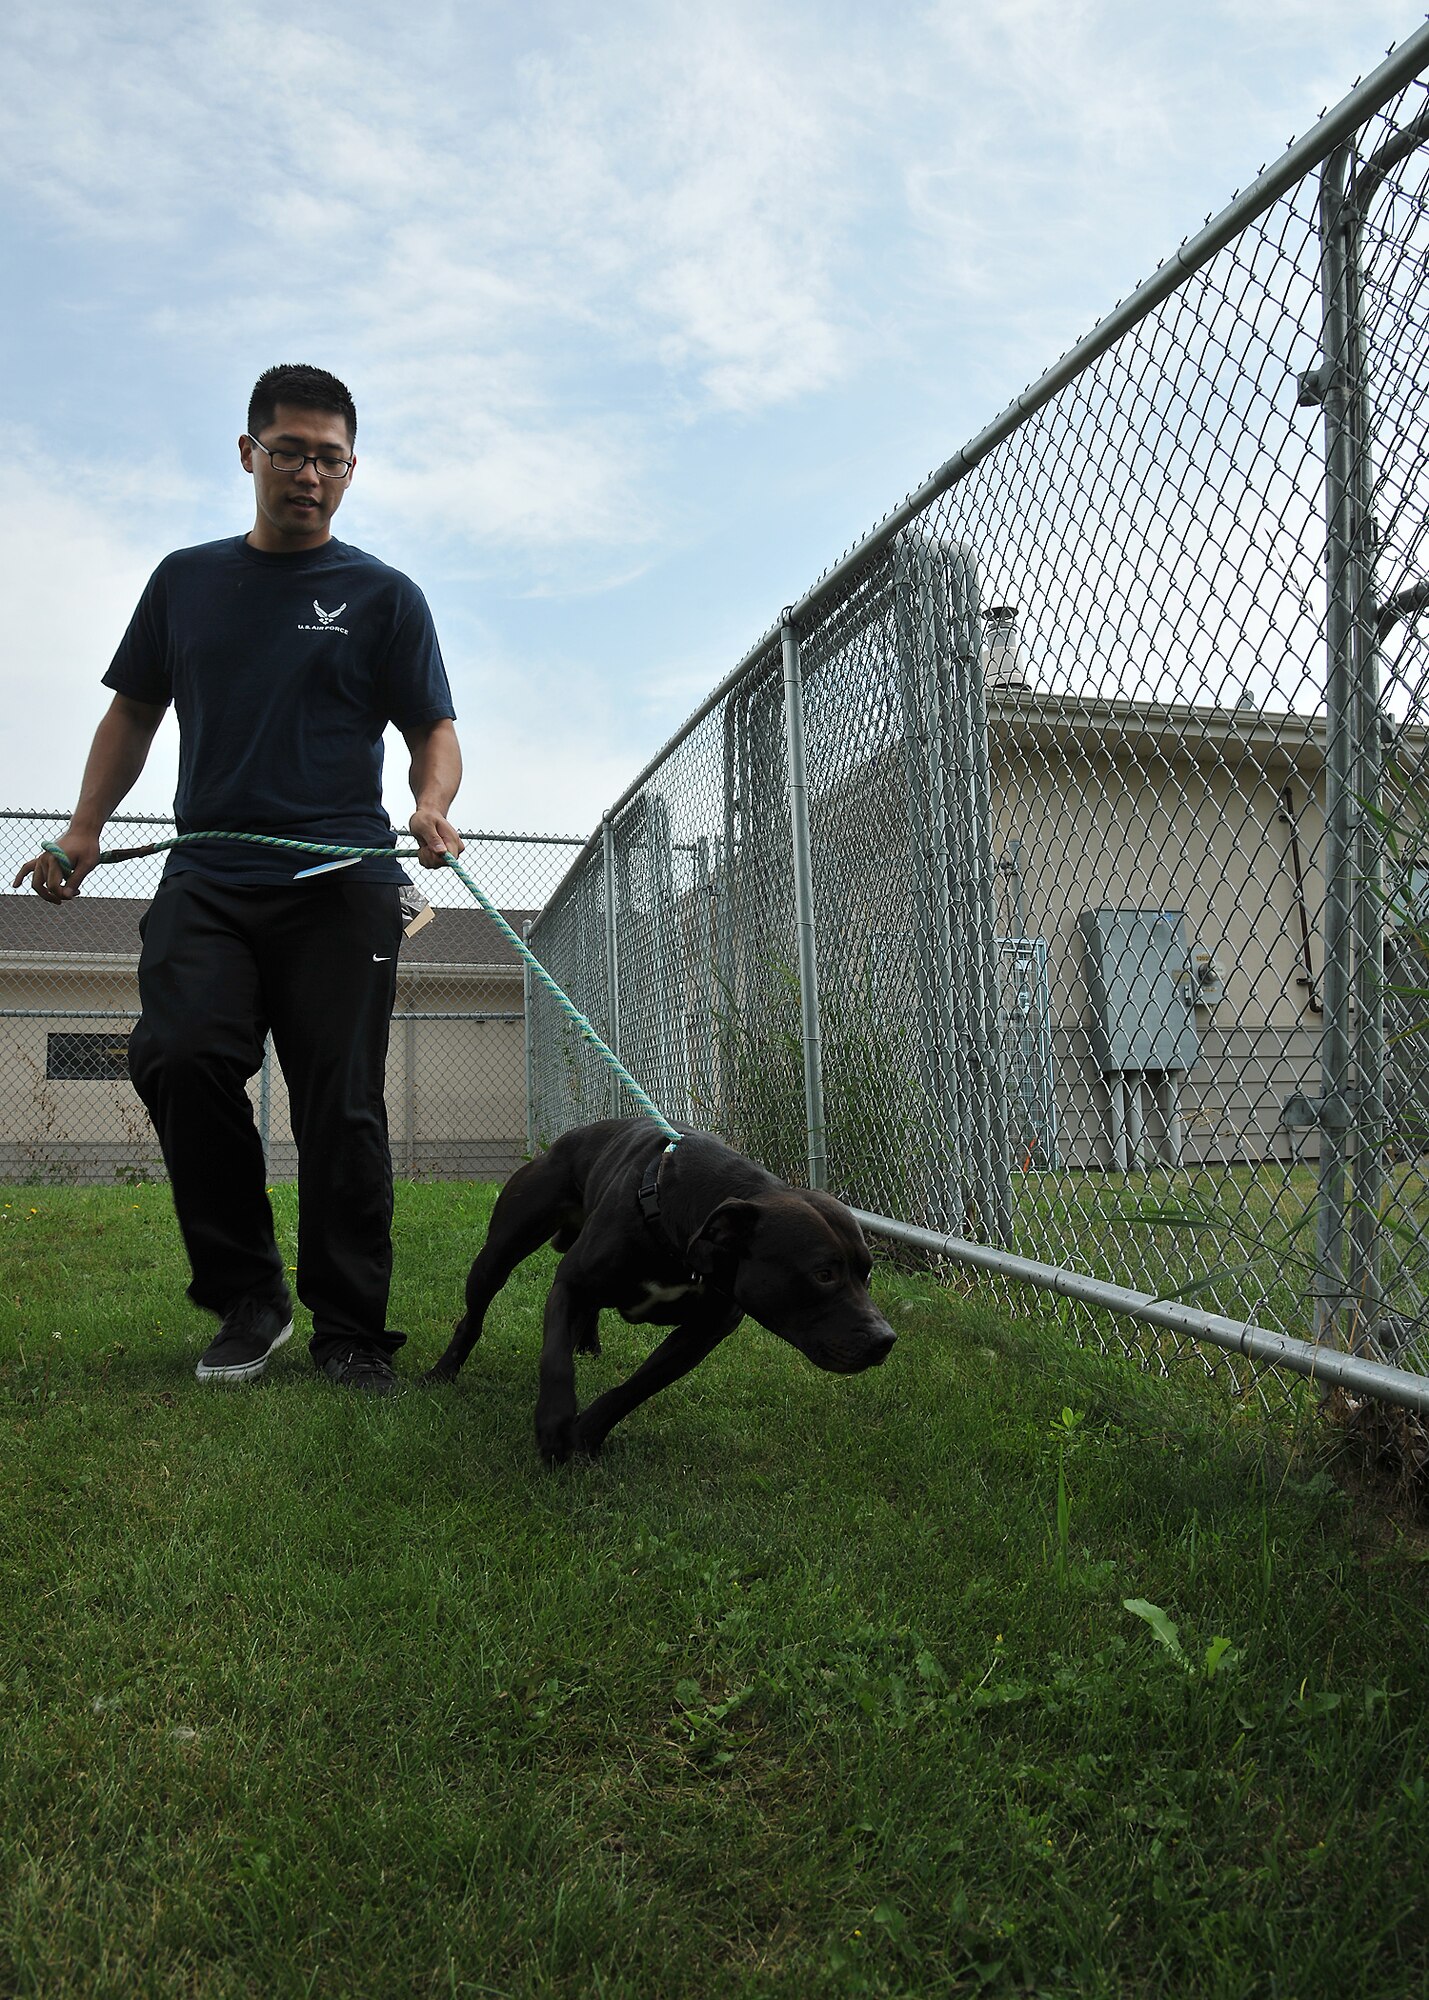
250	1331
362	1369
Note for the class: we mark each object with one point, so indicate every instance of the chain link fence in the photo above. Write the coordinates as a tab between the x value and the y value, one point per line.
1051	882
456	1067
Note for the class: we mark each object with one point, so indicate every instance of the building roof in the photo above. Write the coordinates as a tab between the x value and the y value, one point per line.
94	928
90	926
1120	723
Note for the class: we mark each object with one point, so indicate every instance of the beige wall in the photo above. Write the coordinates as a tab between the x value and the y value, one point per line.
1147	811
1165	830
456	1090
45	1121
1168	832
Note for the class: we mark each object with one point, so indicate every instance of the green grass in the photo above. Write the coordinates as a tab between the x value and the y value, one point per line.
809	1687
1238	1240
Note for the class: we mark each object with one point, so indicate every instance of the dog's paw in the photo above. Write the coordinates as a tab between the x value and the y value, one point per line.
588	1439
440	1371
555	1438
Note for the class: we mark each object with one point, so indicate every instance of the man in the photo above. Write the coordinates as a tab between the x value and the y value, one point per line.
285	653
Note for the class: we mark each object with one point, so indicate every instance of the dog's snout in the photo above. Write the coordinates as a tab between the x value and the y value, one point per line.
875	1346
881	1345
868	1347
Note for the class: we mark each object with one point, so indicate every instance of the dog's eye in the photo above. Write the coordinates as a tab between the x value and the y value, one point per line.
825	1275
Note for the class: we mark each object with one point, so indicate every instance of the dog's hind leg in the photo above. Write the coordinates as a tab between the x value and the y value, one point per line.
680	1351
529	1211
571	1318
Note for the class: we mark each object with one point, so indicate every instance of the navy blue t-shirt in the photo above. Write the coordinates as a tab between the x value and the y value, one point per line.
284	670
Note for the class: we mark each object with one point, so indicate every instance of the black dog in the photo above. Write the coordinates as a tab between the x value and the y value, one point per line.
685	1234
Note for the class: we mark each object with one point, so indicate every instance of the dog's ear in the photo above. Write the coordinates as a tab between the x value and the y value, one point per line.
722	1237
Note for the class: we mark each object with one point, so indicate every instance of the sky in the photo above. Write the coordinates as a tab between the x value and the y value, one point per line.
649	311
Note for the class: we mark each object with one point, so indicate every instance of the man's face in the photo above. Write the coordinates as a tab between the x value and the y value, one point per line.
295	509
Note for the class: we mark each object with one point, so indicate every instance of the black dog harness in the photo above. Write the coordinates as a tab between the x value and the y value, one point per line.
648	1192
648	1196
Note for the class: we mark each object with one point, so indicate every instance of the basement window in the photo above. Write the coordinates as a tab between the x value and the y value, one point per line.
87	1058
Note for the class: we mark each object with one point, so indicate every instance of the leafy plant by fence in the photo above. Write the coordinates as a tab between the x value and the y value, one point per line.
865	1060
1042	882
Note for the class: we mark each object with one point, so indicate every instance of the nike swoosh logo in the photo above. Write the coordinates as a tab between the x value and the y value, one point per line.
378	959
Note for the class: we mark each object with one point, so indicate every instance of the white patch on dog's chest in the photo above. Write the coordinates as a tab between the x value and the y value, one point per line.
652	1297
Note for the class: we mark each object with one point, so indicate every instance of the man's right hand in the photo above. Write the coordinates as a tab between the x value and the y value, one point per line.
116	757
48	879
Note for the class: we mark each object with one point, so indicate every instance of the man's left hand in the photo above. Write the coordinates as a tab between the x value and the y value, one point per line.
436	838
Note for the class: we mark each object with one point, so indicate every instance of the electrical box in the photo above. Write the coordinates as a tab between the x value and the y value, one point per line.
1138	974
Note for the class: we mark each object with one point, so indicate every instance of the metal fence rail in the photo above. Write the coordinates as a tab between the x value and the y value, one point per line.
1051	880
456	1065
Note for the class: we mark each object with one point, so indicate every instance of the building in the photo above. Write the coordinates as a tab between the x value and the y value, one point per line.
68	997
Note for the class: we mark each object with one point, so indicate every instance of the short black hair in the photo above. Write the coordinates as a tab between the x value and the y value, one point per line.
309	388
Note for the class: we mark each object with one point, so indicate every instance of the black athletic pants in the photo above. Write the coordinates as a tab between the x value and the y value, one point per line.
317	963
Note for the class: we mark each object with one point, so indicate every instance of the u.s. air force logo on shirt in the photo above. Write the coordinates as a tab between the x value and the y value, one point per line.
327	620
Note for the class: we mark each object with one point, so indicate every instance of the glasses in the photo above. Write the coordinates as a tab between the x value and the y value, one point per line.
294	461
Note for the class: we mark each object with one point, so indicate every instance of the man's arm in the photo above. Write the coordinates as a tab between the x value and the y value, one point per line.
116	757
435	775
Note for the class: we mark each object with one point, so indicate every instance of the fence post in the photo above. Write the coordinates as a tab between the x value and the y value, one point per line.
409	1094
1352	1107
729	861
265	1101
672	1074
1368	912
704	960
804	909
1339	796
955	951
528	1036
1370	1043
612	955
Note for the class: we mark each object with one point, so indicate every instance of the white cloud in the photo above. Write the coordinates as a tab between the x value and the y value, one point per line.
526	776
71	570
1094	131
545	748
625	293
663	206
1051	76
482	479
672	186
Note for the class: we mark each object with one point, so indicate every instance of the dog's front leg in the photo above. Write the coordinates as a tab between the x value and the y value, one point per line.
570	1321
682	1348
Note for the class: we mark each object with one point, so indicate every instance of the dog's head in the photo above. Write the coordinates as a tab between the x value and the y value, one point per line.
796	1261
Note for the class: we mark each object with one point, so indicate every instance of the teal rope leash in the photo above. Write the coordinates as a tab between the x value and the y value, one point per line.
344	855
341	857
567	1006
